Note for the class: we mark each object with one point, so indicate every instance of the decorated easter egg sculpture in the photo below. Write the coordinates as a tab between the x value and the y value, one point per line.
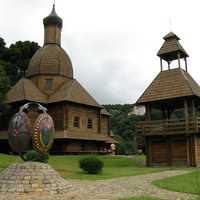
23	137
20	134
43	133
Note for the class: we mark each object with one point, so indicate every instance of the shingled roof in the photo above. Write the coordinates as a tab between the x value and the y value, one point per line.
25	89
105	112
171	47
50	59
170	84
73	91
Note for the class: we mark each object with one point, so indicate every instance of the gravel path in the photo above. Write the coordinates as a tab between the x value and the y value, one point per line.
112	189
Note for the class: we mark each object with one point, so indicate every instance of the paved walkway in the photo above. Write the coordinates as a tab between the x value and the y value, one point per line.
112	189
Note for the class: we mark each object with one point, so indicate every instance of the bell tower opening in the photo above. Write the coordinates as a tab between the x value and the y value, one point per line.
172	50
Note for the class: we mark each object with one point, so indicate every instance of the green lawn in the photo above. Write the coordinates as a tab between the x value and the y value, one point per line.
6	160
114	166
141	198
188	183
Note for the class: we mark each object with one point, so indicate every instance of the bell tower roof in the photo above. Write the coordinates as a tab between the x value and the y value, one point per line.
171	35
171	48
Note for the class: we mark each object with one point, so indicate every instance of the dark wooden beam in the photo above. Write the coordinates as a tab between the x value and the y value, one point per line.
99	128
64	146
163	112
185	64
161	65
193	109
169	156
168	62
109	125
195	151
188	150
148	112
64	117
186	113
179	62
148	151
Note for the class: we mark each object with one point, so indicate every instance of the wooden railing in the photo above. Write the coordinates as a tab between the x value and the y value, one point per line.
167	127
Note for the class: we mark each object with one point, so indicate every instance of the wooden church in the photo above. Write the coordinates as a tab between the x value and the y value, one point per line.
172	102
82	124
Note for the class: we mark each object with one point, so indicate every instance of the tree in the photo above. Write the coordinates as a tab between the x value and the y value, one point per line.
4	83
17	59
3	48
123	127
4	87
13	64
2	43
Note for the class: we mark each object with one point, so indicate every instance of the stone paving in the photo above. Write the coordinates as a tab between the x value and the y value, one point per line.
112	189
29	177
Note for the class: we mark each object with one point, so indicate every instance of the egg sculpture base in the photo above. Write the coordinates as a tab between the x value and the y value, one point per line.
32	177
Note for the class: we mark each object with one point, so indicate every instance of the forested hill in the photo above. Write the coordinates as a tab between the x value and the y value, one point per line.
123	126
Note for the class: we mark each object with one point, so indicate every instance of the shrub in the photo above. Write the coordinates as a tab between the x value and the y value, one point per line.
126	148
91	164
121	149
35	156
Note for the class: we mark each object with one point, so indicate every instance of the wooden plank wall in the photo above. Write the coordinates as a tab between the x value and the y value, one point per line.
73	146
193	150
63	116
84	113
104	124
52	34
57	113
171	150
58	146
91	146
77	146
159	153
178	152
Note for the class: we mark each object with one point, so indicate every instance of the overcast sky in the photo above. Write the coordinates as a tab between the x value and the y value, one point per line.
112	43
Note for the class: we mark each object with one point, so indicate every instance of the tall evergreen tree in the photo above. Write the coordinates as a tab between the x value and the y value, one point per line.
18	57
3	49
4	83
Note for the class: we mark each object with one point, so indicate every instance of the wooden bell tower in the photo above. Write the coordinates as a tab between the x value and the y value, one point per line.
172	102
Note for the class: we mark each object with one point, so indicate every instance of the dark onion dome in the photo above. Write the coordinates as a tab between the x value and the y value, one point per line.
53	18
50	59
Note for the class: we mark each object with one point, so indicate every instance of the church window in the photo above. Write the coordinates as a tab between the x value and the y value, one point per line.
77	121
90	123
49	84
